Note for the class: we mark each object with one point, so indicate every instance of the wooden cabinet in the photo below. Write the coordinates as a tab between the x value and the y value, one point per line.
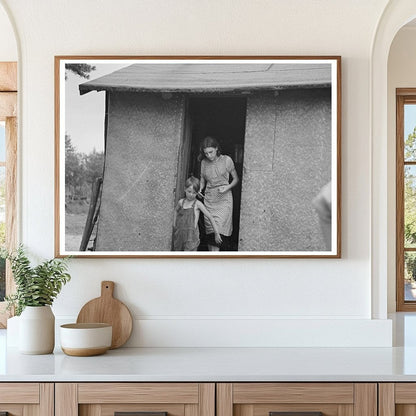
27	399
208	399
264	399
221	399
106	399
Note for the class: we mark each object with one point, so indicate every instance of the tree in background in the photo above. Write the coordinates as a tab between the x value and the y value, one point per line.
81	170
74	170
94	164
410	204
79	167
82	70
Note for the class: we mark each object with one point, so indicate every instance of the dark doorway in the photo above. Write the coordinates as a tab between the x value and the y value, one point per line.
225	119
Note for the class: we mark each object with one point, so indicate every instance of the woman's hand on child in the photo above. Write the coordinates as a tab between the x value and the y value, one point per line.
218	238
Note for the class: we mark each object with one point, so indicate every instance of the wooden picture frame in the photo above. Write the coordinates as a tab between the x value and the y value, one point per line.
128	135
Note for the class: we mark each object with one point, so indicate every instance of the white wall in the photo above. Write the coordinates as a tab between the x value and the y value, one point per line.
215	301
8	46
401	74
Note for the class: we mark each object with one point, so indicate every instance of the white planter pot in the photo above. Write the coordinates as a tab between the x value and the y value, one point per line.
37	330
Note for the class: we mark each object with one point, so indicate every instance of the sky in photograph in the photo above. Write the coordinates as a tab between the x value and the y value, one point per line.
84	114
409	119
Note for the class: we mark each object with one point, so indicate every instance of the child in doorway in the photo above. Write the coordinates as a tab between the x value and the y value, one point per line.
186	216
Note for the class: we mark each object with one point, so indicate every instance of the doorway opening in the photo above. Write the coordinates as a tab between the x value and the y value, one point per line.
225	119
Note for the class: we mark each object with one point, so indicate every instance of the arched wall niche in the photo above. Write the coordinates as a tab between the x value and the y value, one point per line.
396	15
401	74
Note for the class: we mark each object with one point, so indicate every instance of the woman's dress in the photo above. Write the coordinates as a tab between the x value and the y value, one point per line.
220	206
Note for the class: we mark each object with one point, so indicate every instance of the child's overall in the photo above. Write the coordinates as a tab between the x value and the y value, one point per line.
186	235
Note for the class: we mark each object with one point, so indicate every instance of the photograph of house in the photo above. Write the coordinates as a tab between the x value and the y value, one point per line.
275	119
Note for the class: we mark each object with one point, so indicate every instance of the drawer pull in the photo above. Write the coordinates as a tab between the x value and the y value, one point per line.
295	413
140	414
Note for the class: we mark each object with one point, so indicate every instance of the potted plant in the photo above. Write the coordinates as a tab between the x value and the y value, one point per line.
36	289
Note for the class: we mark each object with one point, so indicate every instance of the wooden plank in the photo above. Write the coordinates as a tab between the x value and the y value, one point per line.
90	410
341	393
365	399
11	198
339	157
66	399
237	409
184	149
399	204
207	399
345	410
23	393
246	410
30	410
8	76
8	105
405	410
92	213
224	399
57	159
386	399
138	393
190	410
405	393
47	399
406	91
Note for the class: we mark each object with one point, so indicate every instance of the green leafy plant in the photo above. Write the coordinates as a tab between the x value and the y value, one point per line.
35	285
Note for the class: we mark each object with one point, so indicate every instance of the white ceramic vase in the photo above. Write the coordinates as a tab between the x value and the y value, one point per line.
37	330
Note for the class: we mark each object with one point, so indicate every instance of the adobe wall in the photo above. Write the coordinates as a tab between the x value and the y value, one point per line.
287	160
143	136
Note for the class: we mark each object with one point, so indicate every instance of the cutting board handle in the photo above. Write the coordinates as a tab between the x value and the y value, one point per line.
107	289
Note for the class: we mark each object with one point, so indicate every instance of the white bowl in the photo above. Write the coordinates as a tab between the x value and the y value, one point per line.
85	339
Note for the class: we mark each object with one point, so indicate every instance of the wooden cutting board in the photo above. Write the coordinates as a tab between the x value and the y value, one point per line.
109	310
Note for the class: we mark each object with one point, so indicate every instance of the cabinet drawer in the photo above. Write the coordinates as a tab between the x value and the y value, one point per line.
138	393
21	399
148	399
306	399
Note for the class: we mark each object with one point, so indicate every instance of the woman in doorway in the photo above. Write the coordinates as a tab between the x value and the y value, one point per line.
216	170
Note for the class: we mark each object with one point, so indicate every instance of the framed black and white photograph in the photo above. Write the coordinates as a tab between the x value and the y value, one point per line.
198	156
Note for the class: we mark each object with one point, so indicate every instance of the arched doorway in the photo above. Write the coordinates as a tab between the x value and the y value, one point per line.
395	16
